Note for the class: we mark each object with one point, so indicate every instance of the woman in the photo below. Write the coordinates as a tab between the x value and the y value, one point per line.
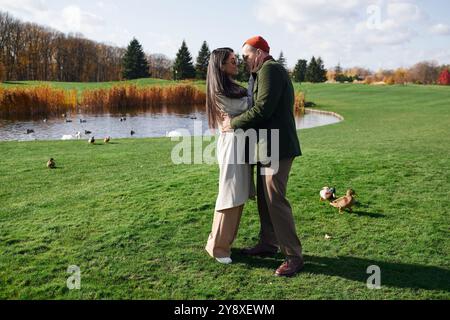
225	96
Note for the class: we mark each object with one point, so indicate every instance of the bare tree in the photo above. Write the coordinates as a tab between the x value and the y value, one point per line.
426	72
160	66
32	52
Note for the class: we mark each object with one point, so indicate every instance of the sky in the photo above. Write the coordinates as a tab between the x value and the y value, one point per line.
367	33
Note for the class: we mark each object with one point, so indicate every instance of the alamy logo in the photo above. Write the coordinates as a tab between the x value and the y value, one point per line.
74	281
244	147
374	281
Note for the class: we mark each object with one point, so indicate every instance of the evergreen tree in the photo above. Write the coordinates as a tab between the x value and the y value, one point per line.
183	67
321	73
135	64
201	67
300	71
243	74
316	71
311	70
282	60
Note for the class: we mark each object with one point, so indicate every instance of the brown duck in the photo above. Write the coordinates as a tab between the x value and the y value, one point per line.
345	202
51	164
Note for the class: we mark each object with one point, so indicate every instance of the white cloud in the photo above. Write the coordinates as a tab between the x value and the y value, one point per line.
440	29
76	20
350	30
28	7
403	11
69	19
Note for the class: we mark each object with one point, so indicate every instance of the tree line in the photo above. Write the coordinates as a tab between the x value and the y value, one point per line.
32	52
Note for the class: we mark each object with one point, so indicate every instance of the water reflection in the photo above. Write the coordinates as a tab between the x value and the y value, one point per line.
161	122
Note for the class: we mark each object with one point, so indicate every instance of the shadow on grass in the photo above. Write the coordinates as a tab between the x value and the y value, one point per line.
103	144
369	214
400	275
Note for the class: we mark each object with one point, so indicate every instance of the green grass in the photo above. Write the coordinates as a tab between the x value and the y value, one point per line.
136	224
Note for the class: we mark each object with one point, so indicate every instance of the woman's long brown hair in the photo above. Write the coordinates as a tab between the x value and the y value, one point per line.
219	83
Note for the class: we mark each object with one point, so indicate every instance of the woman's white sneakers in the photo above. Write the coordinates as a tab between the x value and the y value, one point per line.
224	260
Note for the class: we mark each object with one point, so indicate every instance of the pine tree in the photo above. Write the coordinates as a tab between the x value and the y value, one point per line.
300	71
135	64
316	71
183	67
282	60
321	71
243	74
201	67
311	70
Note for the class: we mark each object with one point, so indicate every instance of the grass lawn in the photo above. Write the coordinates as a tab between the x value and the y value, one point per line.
136	224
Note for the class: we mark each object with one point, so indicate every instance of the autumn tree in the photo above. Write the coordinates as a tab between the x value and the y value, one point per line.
400	76
160	66
2	72
444	78
30	51
426	72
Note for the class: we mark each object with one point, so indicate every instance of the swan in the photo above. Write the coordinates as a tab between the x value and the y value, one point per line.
173	134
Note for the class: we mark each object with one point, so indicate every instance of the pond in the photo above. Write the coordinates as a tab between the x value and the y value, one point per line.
159	123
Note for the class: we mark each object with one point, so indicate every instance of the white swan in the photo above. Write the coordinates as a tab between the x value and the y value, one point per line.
173	134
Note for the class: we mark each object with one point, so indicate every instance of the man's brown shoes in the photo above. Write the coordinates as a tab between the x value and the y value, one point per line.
290	267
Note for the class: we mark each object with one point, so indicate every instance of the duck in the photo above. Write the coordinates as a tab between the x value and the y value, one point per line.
133	132
345	202
87	132
107	139
122	119
68	121
91	140
327	194
29	131
82	121
51	163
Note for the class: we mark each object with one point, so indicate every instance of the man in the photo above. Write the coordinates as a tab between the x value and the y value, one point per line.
273	108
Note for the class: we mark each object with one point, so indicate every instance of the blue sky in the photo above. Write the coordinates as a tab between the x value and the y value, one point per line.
367	33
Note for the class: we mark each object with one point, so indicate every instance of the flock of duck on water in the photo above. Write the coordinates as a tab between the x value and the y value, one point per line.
78	135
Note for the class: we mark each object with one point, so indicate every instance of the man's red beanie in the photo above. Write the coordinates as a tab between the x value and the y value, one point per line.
258	42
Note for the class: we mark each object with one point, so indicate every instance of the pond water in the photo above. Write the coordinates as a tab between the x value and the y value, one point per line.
160	123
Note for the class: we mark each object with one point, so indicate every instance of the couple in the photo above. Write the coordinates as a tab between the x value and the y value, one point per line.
268	104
